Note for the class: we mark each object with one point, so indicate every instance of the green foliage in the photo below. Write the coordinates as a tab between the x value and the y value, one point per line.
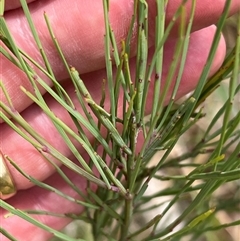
122	195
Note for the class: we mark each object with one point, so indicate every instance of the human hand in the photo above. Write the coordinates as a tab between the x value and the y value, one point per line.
80	34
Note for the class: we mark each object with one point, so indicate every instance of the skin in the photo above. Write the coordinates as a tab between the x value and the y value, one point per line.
83	47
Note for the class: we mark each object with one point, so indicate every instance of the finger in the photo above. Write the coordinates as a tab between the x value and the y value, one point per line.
40	199
207	12
28	158
80	35
14	4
